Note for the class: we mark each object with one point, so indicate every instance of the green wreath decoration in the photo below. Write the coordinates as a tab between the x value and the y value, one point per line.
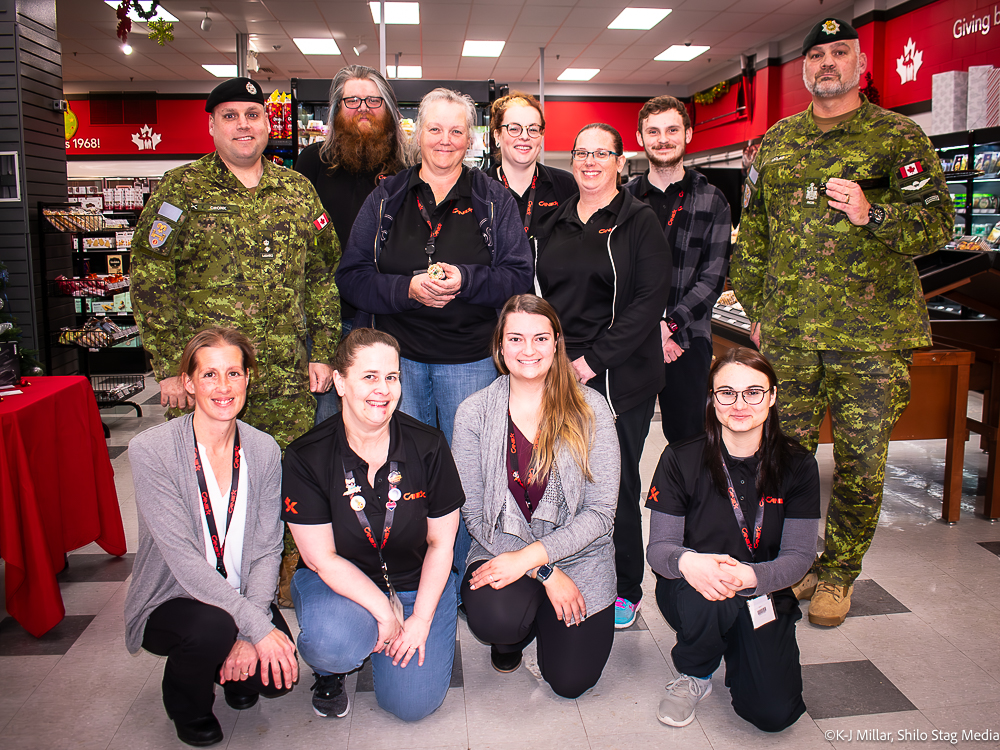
713	94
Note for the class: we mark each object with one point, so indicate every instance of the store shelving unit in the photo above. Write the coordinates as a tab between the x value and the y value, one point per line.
971	161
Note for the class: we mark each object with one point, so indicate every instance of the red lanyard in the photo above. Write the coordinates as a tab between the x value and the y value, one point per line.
206	503
531	197
741	520
512	463
358	506
429	247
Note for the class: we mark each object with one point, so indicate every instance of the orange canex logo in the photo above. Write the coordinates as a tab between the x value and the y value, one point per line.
290	506
415	495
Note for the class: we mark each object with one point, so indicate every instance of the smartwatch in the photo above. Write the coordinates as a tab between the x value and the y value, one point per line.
543	573
876	215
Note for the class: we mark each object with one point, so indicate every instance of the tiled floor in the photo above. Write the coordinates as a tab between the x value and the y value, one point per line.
916	661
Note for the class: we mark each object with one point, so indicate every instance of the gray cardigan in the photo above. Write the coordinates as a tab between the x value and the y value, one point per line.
170	562
574	518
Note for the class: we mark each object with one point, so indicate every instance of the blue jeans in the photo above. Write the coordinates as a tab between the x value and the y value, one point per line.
432	393
337	635
328	404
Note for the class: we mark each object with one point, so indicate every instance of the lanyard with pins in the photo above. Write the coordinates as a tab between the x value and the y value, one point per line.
358	506
219	547
512	462
429	248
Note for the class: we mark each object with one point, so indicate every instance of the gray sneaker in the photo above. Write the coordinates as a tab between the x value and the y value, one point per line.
329	696
683	694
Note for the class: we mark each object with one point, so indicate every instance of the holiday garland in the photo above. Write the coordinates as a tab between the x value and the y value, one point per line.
713	94
160	31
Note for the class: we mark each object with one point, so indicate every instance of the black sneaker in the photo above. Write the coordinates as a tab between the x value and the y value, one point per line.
329	697
505	662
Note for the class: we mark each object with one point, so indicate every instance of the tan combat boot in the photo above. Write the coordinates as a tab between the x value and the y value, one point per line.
830	604
805	588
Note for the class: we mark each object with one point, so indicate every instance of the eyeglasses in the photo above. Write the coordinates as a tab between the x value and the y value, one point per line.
751	396
514	130
354	102
600	155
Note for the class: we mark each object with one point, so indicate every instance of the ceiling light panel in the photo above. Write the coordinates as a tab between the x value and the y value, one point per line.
639	18
161	13
221	71
579	74
399	13
317	46
405	71
482	49
681	53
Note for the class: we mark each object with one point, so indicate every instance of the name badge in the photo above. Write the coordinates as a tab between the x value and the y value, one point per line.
761	610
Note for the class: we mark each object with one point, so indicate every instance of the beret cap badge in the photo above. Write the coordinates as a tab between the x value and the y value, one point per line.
830	26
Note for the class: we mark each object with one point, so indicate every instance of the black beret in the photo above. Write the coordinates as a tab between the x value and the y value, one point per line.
828	30
235	90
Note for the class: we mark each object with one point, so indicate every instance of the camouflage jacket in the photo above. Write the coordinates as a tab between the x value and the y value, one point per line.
809	276
209	252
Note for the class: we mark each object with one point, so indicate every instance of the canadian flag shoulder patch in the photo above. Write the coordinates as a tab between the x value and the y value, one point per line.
321	222
911	170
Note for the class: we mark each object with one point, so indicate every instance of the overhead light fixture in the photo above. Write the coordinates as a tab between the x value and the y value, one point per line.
681	53
317	46
221	71
639	18
361	47
400	13
206	22
578	74
482	49
405	71
127	48
161	13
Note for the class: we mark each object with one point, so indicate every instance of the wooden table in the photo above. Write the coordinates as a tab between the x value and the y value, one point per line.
939	398
57	493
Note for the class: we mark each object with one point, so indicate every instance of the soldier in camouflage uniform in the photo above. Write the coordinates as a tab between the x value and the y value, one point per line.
233	240
839	200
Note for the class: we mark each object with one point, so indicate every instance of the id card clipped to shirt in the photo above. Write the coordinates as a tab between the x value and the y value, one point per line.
761	610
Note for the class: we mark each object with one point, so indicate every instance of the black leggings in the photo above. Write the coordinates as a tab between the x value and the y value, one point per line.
571	658
196	638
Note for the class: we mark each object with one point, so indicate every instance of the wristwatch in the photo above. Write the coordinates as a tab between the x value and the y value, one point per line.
671	325
876	215
543	573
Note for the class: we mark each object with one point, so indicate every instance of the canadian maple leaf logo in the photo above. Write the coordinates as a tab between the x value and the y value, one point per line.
909	62
146	139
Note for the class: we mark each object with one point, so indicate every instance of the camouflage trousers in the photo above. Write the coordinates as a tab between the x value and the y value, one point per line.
866	393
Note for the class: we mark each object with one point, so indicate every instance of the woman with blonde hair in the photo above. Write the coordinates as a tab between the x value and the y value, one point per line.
538	457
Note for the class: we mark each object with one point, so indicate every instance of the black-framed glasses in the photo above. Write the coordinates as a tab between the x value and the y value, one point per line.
354	102
600	154
514	130
751	396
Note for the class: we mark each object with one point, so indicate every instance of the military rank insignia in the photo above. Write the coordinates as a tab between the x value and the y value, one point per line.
158	233
812	194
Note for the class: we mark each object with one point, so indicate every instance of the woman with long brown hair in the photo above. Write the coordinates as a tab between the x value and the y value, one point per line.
538	457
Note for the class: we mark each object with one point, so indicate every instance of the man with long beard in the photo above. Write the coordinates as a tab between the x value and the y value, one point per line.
696	219
838	201
365	144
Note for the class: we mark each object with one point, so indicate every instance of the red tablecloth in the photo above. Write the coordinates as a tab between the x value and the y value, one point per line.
57	493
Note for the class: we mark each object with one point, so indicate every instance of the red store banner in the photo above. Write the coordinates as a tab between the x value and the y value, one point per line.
180	129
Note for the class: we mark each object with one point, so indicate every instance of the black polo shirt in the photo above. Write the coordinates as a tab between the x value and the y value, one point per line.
682	486
667	204
554	187
313	486
459	332
342	194
576	275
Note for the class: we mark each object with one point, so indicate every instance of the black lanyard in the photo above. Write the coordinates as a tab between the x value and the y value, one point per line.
512	463
353	491
531	197
758	521
429	247
206	502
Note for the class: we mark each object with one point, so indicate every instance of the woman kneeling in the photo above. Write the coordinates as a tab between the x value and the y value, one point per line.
372	498
206	489
736	512
539	462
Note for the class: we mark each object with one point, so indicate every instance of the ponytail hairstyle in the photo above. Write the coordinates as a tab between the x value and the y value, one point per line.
566	418
775	447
